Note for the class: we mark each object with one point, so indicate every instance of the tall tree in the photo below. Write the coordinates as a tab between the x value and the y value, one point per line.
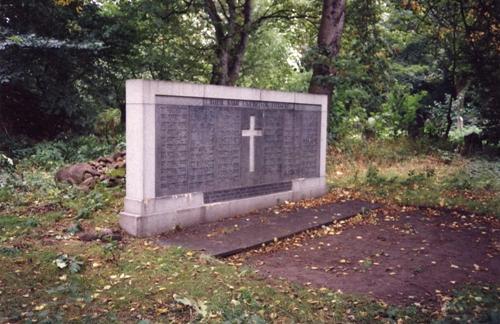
328	46
465	34
234	21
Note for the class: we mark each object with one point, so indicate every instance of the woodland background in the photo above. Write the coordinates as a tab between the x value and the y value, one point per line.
393	67
414	126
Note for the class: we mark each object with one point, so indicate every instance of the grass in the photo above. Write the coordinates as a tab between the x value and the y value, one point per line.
136	281
409	173
144	281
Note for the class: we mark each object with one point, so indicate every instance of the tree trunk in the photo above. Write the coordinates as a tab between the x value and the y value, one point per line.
453	94
231	37
329	35
233	22
219	68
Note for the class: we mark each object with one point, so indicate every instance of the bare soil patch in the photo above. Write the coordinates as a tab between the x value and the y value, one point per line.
414	256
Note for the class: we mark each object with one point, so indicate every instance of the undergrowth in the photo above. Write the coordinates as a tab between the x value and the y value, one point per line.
412	173
50	276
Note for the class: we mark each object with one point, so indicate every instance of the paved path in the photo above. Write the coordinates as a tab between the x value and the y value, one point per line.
233	235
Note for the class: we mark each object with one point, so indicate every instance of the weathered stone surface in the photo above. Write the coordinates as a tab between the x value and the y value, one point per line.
75	174
85	175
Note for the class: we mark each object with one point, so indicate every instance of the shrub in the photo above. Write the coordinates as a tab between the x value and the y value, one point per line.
107	123
373	177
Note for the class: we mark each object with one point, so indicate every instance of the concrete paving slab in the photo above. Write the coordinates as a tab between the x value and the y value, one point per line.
234	235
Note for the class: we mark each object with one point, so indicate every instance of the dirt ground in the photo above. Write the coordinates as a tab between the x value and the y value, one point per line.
414	256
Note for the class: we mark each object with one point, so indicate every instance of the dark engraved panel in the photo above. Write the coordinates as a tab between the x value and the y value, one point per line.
201	146
289	168
310	125
172	149
245	192
201	167
273	145
227	147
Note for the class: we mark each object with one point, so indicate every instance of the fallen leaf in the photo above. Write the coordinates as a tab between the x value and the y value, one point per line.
40	307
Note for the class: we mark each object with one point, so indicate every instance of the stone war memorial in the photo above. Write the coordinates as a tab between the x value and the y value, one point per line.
198	153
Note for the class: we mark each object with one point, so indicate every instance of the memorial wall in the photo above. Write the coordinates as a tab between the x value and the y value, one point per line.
205	152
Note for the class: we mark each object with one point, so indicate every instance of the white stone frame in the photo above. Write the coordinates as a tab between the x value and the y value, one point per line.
144	214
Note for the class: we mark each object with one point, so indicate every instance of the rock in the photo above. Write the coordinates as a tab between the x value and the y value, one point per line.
118	155
119	164
105	160
109	235
86	175
87	236
75	174
87	184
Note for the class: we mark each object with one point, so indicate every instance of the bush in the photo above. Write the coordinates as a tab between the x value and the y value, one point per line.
6	169
372	176
107	123
47	155
51	155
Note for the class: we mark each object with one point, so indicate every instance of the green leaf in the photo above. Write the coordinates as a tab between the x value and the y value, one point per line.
75	266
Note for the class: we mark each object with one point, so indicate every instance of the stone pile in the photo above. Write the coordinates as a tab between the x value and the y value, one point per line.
109	170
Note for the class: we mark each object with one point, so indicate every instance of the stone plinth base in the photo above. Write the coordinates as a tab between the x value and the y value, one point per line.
159	215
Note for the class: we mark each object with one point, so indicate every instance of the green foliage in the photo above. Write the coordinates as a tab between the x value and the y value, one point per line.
9	251
373	177
92	202
72	263
272	60
74	228
5	194
416	177
479	175
472	304
117	173
54	154
6	163
399	112
6	173
413	173
402	66
48	155
31	222
8	222
52	65
107	123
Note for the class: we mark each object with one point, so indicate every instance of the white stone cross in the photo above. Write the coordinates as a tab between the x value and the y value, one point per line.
251	133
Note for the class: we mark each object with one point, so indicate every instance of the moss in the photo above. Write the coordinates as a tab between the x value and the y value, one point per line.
117	173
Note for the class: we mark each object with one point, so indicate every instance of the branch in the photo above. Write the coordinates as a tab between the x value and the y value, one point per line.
239	50
187	4
211	10
278	15
223	9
